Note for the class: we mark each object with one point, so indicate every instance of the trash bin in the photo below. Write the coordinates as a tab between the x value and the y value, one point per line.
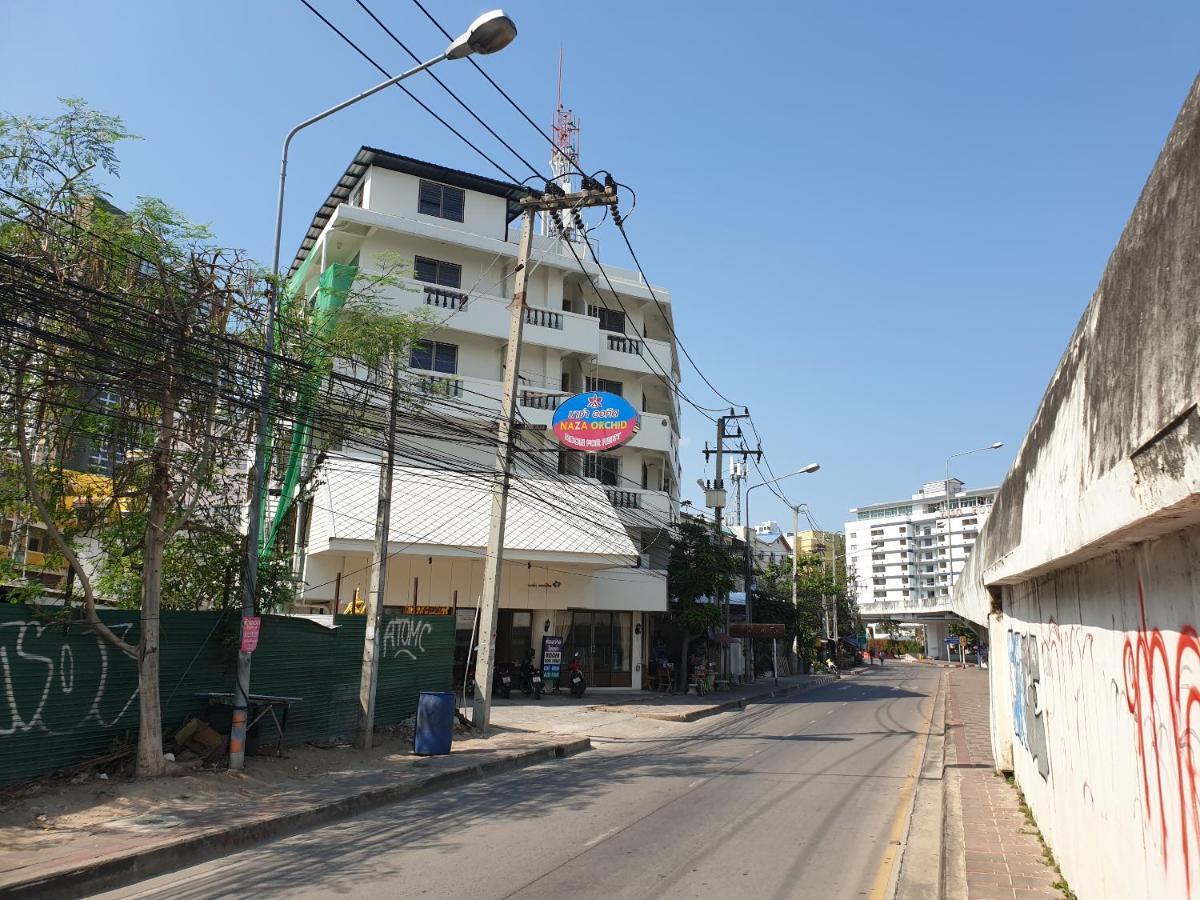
435	723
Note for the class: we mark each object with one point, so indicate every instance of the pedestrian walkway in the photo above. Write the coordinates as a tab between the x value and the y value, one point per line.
598	714
998	854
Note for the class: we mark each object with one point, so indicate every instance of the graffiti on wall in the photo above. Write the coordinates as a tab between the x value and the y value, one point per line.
52	685
1028	712
405	637
1162	692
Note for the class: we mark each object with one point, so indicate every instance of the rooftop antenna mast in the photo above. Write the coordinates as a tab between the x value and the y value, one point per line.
564	160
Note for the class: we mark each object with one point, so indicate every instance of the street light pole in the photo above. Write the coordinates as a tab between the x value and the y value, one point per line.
749	547
489	33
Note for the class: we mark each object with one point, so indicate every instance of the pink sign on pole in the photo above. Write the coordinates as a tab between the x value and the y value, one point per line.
250	628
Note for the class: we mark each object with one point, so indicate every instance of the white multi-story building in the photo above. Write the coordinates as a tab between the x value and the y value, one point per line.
586	548
910	551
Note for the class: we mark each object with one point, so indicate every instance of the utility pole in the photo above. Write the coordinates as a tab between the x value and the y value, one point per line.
383	514
553	201
718	485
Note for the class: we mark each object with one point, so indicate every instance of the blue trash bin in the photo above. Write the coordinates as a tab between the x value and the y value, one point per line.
435	723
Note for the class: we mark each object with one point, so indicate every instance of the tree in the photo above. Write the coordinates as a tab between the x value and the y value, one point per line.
131	330
700	571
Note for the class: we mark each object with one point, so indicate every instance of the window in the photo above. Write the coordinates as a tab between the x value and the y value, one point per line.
435	356
602	384
967	522
442	201
605	469
610	319
434	271
875	532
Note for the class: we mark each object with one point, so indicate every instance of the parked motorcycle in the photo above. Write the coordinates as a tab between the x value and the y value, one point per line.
531	677
575	677
502	681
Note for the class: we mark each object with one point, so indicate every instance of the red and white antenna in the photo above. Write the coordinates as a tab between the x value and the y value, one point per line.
564	158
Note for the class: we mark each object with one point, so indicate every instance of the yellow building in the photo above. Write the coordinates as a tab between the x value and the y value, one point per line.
831	545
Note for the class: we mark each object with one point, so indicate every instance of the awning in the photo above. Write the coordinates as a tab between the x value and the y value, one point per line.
572	520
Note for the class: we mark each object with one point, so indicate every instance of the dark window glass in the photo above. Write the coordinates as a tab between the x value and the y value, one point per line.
442	201
603	384
436	271
602	468
610	319
434	356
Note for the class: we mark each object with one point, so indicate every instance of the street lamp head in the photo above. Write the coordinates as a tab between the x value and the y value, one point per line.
809	469
997	445
491	32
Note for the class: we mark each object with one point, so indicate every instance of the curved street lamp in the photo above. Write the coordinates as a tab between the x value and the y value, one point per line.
489	33
749	551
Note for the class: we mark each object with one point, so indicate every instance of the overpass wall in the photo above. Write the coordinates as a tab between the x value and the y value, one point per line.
1087	572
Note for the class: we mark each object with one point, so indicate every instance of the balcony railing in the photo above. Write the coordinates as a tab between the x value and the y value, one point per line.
624	499
441	386
538	400
546	318
444	298
623	344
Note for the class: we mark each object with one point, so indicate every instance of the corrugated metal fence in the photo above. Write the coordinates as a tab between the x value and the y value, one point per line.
67	695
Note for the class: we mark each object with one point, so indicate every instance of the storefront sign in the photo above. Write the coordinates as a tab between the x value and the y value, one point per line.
757	630
552	654
595	422
251	625
420	610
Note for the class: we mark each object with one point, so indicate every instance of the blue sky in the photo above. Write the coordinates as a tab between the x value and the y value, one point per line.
880	221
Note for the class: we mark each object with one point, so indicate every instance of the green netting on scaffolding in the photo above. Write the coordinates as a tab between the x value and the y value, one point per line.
332	291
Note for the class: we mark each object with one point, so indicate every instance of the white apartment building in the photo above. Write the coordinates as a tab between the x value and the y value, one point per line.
586	549
910	551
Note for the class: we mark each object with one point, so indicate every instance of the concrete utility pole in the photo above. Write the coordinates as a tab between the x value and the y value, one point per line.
718	517
489	607
383	516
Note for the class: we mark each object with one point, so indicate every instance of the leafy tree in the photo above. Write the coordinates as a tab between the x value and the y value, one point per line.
131	331
701	570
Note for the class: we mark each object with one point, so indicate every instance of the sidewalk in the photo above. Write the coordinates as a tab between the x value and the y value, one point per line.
598	714
79	837
991	851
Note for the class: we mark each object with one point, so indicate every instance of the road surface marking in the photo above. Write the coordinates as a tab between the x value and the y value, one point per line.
813	722
598	838
884	876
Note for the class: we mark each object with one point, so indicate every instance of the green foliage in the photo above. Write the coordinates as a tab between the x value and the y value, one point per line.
966	634
699	566
201	569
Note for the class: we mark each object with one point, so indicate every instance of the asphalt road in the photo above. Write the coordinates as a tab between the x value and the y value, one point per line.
798	797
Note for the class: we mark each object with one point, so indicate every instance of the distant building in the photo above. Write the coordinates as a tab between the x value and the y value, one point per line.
912	550
829	545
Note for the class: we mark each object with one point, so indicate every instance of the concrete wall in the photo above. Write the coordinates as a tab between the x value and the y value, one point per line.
1088	570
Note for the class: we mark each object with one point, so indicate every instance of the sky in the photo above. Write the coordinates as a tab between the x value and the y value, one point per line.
879	221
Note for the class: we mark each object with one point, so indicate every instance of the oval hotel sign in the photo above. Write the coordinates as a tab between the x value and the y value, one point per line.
594	422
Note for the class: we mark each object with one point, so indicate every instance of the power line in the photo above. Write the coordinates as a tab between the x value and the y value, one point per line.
507	174
532	168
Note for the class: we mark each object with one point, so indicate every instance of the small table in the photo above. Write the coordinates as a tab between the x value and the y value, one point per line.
264	704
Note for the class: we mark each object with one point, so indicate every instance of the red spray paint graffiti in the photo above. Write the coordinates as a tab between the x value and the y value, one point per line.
1175	748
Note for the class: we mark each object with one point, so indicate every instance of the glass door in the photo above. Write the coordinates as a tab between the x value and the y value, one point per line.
602	649
603	641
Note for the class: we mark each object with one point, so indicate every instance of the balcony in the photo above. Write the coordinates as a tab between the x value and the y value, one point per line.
641	507
622	344
543	318
624	499
541	400
447	386
445	298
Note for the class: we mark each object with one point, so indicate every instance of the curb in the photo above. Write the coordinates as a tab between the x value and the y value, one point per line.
738	703
138	865
922	862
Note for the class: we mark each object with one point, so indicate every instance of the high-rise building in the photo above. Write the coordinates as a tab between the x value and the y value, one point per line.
587	543
912	550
